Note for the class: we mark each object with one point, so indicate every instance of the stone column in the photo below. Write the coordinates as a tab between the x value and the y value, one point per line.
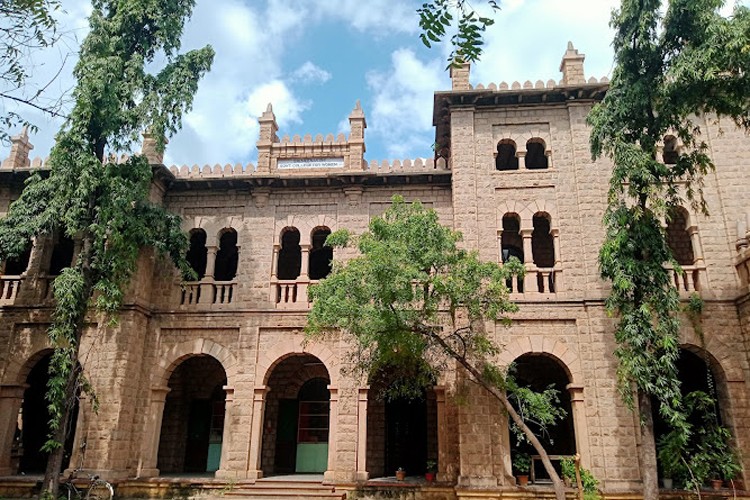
211	261
529	281
333	417
226	437
11	397
150	449
441	430
579	423
521	155
256	435
275	261
361	473
304	272
558	261
699	262
500	246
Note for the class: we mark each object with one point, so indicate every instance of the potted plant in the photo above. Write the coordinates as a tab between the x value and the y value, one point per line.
522	466
431	471
670	449
400	474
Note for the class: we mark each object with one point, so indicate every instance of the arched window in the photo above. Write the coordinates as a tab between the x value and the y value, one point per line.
536	157
290	255
198	252
678	238
226	257
62	255
512	246
18	265
670	153
506	159
542	244
320	255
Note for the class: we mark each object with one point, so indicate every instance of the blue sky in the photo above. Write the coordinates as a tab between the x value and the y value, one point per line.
313	59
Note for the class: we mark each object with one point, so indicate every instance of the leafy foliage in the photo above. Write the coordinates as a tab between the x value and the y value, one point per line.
25	25
436	18
105	204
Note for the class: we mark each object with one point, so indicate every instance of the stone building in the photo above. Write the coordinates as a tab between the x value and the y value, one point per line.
209	383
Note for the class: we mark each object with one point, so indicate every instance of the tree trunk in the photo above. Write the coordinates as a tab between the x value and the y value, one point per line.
648	448
500	396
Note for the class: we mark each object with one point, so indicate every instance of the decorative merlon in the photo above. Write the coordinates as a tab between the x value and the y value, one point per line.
19	151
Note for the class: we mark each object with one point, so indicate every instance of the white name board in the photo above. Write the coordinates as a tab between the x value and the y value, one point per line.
312	163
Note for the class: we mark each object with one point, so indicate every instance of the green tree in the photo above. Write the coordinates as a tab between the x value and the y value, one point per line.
669	68
413	301
25	25
105	204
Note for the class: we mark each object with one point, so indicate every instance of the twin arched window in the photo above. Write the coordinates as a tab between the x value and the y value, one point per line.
535	158
226	257
291	257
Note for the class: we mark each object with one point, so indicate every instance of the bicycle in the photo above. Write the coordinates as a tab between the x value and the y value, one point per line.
98	489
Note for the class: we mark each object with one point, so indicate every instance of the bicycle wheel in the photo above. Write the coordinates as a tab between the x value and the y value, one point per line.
68	492
100	490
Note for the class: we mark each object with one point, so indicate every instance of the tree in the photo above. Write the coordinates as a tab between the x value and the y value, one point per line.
105	204
26	25
413	300
668	69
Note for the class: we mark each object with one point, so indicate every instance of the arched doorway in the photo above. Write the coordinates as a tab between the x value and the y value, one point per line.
538	372
193	423
32	429
401	430
297	417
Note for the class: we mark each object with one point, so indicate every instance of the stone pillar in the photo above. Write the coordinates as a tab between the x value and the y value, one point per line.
211	261
150	449
226	437
356	142
579	423
266	138
460	76
256	435
333	418
556	245
19	151
441	430
150	150
275	261
500	246
695	240
521	155
571	66
361	473
529	281
11	397
304	272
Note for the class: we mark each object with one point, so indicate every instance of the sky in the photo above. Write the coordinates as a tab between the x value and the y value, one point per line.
313	59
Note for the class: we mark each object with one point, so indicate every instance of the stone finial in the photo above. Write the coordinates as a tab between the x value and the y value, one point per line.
460	76
268	125
357	122
572	66
19	151
149	148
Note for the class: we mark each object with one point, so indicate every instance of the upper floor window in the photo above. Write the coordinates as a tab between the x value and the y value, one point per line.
542	242
536	155
197	256
227	256
678	237
18	265
506	159
290	255
320	254
670	153
62	255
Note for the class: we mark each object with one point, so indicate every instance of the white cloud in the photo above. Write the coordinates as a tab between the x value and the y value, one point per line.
310	73
286	106
374	17
402	103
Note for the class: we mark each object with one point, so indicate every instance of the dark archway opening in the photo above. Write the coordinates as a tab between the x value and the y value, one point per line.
538	372
290	255
197	255
33	425
670	153
321	256
18	265
297	417
543	251
536	157
227	256
192	427
678	237
62	255
401	431
506	156
512	246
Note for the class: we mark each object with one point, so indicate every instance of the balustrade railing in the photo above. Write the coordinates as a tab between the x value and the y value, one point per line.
688	279
9	287
290	294
538	280
195	293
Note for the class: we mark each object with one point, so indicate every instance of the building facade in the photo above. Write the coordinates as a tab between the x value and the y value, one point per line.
212	379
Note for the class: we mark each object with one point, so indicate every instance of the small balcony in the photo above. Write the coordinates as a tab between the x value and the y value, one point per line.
9	288
291	294
207	293
689	279
539	282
